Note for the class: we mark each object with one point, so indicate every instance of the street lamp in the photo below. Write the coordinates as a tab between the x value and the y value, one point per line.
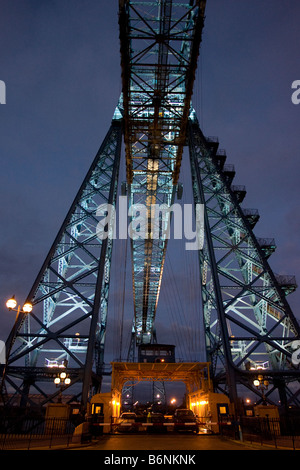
12	303
27	308
263	385
61	380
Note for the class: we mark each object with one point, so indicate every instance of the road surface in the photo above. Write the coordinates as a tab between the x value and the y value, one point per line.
169	442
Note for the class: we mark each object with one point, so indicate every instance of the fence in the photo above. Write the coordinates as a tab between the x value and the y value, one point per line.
281	432
28	433
40	432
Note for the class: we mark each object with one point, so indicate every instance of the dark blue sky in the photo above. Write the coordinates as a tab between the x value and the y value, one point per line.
60	61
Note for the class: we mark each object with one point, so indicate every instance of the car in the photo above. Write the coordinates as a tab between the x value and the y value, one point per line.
185	419
126	422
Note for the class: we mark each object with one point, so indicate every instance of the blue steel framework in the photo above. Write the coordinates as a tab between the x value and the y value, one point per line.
70	294
159	49
247	320
249	326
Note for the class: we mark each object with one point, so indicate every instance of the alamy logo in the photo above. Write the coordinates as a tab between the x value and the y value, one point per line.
296	353
296	94
2	353
2	92
141	222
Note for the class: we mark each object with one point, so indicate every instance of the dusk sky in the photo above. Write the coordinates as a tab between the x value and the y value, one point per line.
60	62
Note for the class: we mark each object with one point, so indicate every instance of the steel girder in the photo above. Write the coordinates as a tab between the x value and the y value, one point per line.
159	48
249	326
70	293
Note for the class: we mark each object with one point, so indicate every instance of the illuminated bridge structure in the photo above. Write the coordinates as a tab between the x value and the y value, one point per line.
247	322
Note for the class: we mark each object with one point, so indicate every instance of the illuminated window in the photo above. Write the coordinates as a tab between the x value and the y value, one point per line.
223	410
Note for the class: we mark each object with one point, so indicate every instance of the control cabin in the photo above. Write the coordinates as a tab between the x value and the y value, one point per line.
156	353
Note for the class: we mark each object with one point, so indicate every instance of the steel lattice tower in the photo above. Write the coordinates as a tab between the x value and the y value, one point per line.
247	320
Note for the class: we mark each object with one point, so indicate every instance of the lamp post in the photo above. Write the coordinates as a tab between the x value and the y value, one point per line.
172	404
262	384
12	304
61	380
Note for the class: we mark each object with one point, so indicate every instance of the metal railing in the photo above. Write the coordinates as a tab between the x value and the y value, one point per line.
27	433
281	432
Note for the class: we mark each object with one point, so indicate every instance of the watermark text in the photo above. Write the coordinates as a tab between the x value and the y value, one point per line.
2	352
141	222
2	92
296	94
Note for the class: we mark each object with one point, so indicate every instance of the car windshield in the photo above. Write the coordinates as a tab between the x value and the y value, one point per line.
128	416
